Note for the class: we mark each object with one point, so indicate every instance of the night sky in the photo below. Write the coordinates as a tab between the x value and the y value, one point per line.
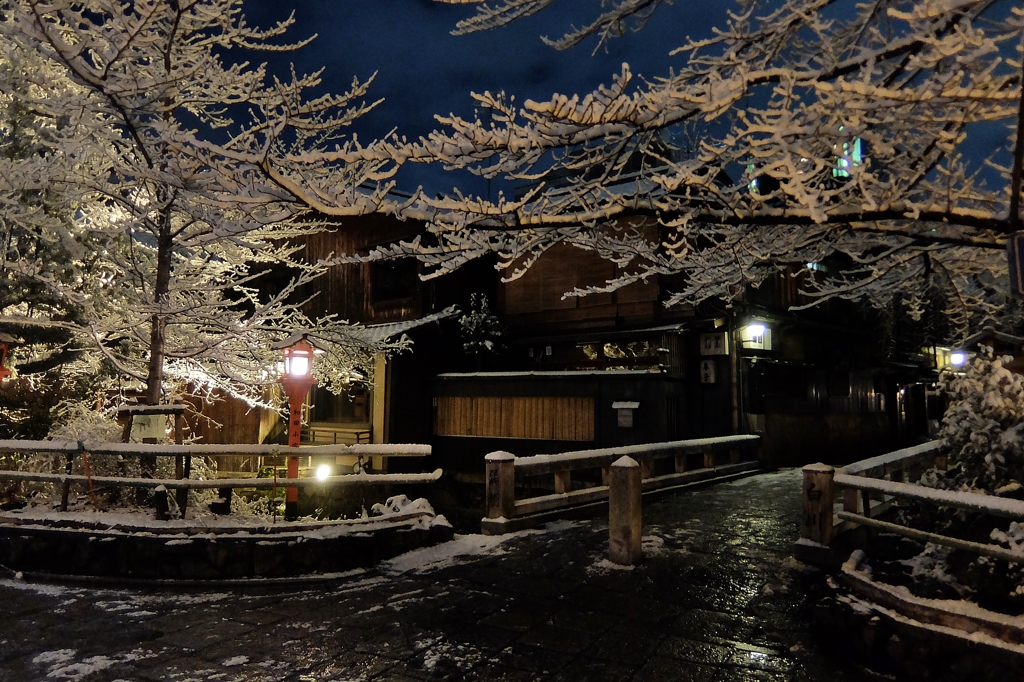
422	70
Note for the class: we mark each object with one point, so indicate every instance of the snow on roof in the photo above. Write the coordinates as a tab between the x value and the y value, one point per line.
375	333
989	333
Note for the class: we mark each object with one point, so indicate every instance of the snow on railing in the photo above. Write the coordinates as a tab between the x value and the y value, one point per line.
184	453
505	513
867	494
241	450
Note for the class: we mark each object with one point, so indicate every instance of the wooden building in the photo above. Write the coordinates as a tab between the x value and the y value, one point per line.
620	368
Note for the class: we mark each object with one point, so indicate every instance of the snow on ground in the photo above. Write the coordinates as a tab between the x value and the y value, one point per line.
61	664
602	566
445	554
782	476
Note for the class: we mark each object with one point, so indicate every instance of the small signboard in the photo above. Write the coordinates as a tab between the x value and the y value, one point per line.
707	371
148	426
715	343
624	413
1015	258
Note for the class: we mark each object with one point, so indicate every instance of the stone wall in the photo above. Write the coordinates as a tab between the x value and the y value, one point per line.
37	548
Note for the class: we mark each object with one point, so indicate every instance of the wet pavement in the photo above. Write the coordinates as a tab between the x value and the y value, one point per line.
718	597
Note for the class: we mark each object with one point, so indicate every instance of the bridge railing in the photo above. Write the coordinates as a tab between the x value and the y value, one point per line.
86	450
690	461
837	500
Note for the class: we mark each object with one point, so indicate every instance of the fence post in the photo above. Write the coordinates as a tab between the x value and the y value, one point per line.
818	494
160	503
680	461
501	485
563	482
646	467
624	513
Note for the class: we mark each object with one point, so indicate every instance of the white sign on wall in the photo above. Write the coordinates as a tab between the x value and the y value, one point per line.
707	371
716	343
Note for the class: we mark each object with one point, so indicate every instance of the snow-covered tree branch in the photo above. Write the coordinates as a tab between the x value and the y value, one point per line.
827	129
171	181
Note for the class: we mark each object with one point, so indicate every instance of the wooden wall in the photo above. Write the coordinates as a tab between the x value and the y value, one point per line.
536	298
532	417
347	290
229	421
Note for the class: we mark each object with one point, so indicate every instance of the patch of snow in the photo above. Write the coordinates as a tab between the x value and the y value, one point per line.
604	565
461	656
652	545
446	553
38	588
77	671
401	503
58	656
234	660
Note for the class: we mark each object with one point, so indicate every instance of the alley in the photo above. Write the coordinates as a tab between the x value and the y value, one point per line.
717	598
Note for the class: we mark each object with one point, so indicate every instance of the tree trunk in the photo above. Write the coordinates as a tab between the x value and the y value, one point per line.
1018	163
158	323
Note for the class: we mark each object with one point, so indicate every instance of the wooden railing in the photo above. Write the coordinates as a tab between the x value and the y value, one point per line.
869	489
86	450
692	460
317	433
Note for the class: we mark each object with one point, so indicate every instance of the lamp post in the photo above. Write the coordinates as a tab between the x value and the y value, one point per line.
296	380
5	342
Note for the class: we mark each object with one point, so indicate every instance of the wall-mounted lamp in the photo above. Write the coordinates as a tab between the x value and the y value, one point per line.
756	335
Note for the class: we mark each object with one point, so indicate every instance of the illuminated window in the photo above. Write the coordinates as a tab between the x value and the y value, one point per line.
848	157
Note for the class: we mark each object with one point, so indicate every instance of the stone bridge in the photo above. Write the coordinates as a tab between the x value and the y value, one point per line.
717	597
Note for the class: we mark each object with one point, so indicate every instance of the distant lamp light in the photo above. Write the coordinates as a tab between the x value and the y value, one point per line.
958	358
755	335
323	472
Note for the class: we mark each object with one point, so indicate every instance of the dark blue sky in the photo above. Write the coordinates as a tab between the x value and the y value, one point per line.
422	70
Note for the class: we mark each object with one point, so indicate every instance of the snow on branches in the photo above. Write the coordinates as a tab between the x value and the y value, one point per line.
984	423
827	129
173	182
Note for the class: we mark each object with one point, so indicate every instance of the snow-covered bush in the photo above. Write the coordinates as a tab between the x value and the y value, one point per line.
983	426
984	423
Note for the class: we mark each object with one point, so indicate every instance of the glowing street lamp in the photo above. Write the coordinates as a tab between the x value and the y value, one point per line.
296	381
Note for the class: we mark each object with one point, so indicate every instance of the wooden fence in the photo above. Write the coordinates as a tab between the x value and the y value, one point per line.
183	454
836	501
690	461
869	489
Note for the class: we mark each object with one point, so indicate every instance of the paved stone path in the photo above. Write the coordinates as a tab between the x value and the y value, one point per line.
717	598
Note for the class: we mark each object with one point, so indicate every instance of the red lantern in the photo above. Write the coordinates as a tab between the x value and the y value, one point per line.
5	344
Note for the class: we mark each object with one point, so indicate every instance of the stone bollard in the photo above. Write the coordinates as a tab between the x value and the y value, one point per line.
624	513
818	495
501	485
